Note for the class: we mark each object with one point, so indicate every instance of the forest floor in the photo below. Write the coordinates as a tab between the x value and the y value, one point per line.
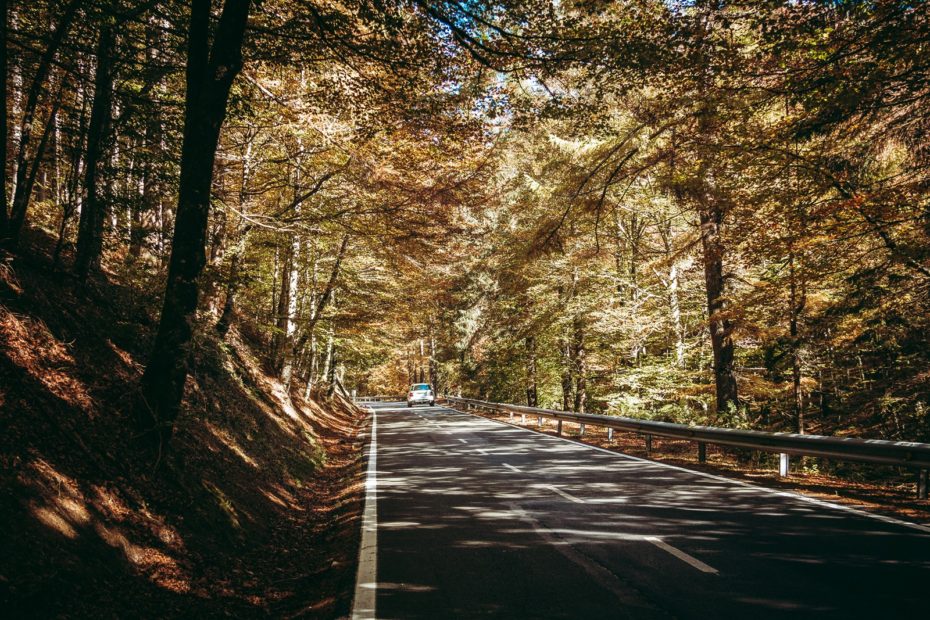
253	513
882	490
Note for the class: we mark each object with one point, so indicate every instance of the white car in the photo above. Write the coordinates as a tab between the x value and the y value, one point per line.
420	393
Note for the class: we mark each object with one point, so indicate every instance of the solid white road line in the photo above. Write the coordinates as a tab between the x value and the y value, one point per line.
567	496
512	468
366	579
462	440
681	555
480	451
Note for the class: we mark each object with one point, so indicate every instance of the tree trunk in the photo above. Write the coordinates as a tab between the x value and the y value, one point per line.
232	283
4	216
580	365
279	342
531	389
797	301
565	351
210	74
90	226
433	370
674	308
721	328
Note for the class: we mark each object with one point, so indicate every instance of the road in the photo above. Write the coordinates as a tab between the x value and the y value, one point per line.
478	518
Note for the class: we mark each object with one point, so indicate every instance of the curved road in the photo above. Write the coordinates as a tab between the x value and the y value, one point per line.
478	518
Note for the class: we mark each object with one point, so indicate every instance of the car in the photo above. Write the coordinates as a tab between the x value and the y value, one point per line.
420	393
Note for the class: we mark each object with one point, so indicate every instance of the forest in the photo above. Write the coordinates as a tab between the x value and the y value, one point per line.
699	211
222	219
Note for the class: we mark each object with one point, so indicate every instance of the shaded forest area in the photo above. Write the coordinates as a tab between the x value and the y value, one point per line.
701	212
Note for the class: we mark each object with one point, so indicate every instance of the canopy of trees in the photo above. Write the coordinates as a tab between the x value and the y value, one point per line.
699	211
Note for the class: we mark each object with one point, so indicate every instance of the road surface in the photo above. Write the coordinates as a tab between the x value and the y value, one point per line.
470	517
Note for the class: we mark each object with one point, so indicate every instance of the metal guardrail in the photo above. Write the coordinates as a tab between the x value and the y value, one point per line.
913	455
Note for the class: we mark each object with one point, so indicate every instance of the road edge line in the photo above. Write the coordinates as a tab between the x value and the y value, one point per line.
366	578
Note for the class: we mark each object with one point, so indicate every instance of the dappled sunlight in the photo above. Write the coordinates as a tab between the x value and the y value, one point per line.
68	511
475	486
37	352
226	439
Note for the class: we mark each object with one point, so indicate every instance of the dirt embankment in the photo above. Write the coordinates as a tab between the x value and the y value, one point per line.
253	513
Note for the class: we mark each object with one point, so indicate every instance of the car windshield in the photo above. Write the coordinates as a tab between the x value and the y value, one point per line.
419	387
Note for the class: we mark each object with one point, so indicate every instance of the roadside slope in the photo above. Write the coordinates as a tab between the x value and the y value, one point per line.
254	512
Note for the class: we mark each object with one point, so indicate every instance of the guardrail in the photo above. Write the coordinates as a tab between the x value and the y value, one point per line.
901	453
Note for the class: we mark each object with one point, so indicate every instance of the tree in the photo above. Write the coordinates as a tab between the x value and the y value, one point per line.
211	70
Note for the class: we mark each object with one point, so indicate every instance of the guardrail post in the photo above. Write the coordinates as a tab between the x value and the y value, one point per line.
581	429
511	416
558	429
523	418
610	434
649	445
923	481
702	452
783	465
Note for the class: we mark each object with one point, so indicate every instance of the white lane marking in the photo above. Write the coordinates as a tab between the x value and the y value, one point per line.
632	605
512	468
567	496
797	496
480	451
681	555
462	440
366	579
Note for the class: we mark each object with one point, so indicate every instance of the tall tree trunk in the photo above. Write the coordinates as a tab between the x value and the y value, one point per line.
90	226
674	309
797	301
279	342
721	327
531	389
433	370
288	348
568	381
210	74
580	365
232	282
4	214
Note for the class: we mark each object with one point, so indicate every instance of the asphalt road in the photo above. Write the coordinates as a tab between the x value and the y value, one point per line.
478	518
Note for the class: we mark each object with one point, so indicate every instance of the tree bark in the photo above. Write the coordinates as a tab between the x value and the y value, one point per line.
580	365
210	74
720	326
4	215
90	226
531	387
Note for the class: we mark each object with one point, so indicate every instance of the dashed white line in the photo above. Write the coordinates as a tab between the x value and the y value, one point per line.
480	451
681	555
512	468
462	440
366	579
567	496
